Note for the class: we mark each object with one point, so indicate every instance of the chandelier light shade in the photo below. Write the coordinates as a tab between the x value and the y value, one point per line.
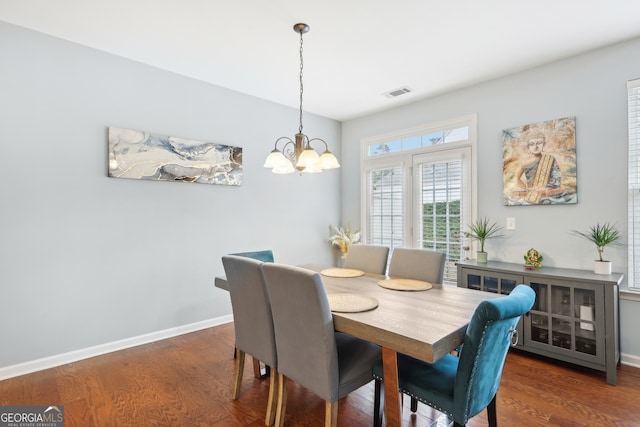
297	154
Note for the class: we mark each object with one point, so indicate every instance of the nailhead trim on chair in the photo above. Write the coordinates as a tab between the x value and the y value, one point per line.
418	398
475	362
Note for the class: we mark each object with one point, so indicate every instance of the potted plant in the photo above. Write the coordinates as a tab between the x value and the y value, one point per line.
481	230
603	235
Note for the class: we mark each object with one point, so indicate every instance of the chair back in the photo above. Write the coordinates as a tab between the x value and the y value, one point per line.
252	317
486	344
264	256
417	264
368	258
305	337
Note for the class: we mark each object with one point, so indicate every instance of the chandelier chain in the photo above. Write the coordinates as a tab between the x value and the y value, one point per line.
301	86
297	153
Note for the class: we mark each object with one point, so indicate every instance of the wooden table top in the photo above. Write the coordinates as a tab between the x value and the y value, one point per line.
425	324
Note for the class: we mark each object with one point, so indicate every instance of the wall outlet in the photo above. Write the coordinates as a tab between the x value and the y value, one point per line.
511	223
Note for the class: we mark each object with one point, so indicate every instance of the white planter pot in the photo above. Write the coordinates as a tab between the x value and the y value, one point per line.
602	267
481	257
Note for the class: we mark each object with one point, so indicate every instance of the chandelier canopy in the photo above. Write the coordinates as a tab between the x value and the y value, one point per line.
297	154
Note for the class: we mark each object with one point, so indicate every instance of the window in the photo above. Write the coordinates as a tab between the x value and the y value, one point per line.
633	88
385	211
418	188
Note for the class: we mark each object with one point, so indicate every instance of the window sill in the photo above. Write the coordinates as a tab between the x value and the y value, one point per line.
629	295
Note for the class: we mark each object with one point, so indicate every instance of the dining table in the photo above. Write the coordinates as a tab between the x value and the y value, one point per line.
401	316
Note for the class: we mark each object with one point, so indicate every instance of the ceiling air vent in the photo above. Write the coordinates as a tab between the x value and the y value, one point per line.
397	92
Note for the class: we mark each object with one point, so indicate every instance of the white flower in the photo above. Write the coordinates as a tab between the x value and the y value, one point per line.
343	237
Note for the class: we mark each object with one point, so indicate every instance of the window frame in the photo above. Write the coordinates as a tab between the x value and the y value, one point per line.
404	159
633	172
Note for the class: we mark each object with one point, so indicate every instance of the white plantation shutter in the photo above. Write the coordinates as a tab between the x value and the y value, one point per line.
440	200
385	213
441	205
633	88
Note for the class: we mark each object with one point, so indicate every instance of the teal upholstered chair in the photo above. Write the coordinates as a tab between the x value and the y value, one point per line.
310	352
264	256
461	387
253	322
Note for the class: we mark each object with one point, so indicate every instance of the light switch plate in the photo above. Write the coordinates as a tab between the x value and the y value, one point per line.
511	223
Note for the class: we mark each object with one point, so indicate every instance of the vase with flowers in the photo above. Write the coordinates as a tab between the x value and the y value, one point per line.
342	238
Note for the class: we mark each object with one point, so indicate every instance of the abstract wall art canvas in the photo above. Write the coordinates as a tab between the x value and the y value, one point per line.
141	155
539	166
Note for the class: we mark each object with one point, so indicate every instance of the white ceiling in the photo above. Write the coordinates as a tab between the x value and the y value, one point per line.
355	52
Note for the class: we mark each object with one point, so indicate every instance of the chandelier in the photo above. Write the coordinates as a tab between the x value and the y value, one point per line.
298	154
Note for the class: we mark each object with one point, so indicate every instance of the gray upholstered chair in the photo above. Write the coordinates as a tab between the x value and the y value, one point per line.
264	256
461	387
253	322
417	264
310	352
368	258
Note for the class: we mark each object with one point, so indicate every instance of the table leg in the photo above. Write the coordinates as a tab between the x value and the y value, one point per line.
392	402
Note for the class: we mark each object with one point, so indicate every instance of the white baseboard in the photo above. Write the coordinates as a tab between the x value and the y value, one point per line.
85	353
74	356
630	360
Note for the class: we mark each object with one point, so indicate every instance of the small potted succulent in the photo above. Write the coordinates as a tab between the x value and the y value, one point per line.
481	230
603	235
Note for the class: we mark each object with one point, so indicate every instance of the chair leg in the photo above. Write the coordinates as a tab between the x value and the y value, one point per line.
282	400
414	404
331	414
378	403
491	413
256	368
272	401
239	362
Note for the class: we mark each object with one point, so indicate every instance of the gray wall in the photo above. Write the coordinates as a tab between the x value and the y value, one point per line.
86	259
591	87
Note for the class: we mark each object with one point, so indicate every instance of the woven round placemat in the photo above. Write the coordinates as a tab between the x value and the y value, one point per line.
351	303
341	272
405	284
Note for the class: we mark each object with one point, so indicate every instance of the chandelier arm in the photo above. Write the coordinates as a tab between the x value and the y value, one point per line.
289	140
289	153
326	147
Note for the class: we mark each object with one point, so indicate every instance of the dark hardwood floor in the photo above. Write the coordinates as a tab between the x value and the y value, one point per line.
187	381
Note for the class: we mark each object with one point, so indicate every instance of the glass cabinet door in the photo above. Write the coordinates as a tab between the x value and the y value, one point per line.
585	324
563	319
474	281
489	281
539	314
507	285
